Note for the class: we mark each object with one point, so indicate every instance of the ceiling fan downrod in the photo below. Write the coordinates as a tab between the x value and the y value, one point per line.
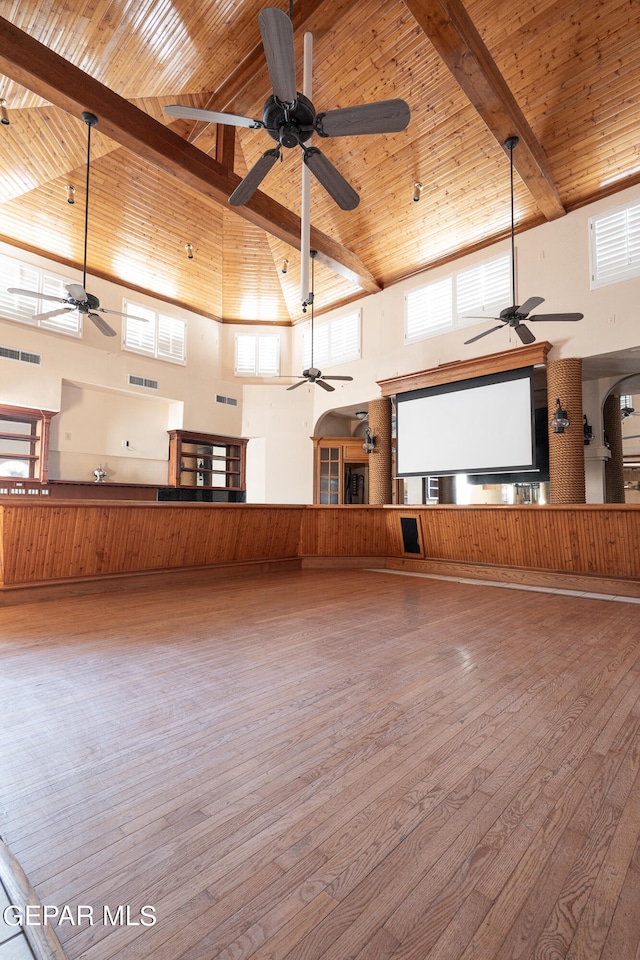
91	121
510	143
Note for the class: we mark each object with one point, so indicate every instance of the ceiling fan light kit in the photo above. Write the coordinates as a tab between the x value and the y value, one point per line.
514	315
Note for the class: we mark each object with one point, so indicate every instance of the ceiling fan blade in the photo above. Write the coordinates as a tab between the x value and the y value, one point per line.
247	187
384	116
276	30
102	325
337	378
77	291
331	179
117	313
325	386
524	333
298	384
211	116
35	294
52	313
483	334
530	305
567	317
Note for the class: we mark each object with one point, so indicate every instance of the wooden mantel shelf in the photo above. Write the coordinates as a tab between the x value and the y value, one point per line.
532	355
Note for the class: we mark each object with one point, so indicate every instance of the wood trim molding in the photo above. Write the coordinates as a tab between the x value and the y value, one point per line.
532	355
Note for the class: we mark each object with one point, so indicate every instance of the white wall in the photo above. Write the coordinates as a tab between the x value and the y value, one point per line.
82	378
86	381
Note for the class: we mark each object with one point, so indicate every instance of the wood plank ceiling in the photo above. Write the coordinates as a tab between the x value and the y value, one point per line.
564	75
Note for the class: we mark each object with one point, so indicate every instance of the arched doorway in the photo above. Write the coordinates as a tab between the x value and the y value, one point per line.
621	420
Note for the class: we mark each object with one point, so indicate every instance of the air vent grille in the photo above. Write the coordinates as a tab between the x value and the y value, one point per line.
231	401
143	382
10	353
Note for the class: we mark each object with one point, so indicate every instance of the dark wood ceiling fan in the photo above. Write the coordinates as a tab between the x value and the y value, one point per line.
514	315
78	298
291	119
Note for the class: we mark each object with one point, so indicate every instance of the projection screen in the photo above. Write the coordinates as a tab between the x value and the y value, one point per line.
483	425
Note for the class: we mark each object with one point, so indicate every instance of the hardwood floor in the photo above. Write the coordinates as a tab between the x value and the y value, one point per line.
327	765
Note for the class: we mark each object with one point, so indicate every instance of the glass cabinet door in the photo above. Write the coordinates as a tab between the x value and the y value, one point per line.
329	478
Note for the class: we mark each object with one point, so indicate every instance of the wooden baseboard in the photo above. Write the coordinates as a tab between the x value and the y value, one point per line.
333	563
555	580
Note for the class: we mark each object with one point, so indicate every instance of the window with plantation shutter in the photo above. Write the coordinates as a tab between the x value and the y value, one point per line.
257	356
171	334
458	300
615	245
335	341
483	288
23	309
158	335
429	310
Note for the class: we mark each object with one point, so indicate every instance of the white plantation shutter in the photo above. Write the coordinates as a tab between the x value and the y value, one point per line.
155	334
458	299
429	310
257	356
615	245
13	273
245	356
484	288
139	329
335	341
344	335
171	338
269	356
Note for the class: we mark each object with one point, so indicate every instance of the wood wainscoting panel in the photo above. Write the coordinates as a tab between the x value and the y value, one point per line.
60	541
595	539
344	531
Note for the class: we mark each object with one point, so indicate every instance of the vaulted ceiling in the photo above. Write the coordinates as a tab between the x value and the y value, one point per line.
562	75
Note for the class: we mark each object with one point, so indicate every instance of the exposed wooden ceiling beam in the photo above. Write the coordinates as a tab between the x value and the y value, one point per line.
457	41
45	73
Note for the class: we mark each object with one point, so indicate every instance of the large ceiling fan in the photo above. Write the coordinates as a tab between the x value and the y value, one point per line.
515	315
290	118
312	374
78	298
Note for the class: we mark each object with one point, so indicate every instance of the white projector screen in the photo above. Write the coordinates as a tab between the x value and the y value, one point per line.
484	425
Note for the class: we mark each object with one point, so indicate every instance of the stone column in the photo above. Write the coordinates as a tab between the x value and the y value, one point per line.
614	467
380	463
566	450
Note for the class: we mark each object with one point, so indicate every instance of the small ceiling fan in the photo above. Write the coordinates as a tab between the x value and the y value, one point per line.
515	315
78	298
312	374
290	118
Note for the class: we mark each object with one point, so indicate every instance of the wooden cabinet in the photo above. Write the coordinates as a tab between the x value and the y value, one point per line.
341	470
207	462
24	448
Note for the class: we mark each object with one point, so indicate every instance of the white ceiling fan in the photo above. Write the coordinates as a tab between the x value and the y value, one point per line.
78	298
